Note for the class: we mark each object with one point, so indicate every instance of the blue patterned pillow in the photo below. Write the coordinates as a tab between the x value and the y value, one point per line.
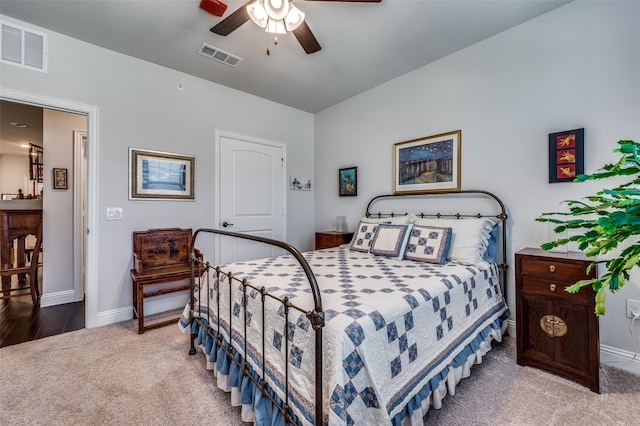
390	240
363	236
428	244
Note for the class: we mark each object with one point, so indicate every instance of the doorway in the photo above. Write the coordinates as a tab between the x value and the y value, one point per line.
66	294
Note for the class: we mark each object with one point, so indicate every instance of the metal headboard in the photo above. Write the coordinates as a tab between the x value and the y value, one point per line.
499	213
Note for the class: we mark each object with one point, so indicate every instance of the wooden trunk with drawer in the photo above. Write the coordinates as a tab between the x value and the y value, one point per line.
556	330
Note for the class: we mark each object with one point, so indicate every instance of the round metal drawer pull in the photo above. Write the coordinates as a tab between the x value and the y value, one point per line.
552	287
552	268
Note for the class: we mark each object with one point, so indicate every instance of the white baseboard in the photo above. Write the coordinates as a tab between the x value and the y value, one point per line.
166	303
619	358
511	327
59	298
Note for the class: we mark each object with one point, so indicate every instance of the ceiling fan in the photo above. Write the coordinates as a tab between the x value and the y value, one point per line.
276	16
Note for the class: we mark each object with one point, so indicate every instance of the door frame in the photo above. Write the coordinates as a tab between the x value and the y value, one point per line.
219	134
91	247
80	142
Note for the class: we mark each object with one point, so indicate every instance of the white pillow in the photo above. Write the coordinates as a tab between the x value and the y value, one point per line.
396	220
390	240
469	238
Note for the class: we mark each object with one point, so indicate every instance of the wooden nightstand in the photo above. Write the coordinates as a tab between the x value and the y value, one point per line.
327	239
557	330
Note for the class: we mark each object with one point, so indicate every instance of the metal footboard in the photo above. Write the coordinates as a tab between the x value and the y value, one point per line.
315	316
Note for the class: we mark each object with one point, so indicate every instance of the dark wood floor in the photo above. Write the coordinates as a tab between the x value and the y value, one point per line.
21	322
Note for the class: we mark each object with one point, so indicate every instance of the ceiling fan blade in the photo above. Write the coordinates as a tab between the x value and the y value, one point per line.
306	38
233	21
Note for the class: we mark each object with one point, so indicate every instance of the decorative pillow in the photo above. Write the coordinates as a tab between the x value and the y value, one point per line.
469	238
390	240
428	244
490	252
364	235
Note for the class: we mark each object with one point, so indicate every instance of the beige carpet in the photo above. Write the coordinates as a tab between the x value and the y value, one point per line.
113	376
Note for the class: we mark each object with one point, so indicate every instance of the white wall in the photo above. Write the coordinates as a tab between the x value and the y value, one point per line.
14	171
58	215
574	67
139	105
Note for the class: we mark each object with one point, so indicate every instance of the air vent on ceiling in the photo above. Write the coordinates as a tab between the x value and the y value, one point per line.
23	47
219	55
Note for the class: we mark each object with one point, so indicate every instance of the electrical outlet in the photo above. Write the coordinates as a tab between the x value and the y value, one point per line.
633	307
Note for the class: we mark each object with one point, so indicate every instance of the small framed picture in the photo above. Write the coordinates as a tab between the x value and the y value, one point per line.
348	182
60	179
155	175
566	155
428	164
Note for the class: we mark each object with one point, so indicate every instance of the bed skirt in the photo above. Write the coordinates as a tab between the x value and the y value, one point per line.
261	411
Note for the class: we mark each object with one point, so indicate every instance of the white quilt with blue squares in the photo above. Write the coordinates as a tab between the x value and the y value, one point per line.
393	329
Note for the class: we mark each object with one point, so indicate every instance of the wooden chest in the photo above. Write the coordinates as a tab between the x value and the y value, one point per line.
557	330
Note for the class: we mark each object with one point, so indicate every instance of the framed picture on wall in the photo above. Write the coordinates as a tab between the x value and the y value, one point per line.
348	182
155	175
428	164
566	155
60	179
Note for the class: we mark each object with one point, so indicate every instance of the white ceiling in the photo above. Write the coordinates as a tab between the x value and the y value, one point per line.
12	138
363	44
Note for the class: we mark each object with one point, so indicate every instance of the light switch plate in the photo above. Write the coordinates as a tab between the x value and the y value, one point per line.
114	213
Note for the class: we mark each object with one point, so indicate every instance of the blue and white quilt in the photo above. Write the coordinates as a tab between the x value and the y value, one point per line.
396	331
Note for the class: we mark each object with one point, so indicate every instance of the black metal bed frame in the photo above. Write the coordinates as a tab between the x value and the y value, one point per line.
316	315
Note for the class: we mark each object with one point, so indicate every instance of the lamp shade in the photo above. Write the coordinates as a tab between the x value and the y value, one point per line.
257	13
276	9
294	18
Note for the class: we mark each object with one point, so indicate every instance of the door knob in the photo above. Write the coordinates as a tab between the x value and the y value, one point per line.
225	224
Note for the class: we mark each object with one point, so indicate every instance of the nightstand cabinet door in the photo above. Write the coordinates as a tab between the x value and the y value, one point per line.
556	330
328	239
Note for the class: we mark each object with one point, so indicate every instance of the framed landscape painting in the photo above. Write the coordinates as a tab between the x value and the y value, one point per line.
428	164
160	175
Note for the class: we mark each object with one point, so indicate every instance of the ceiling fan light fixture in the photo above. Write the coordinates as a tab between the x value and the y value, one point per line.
275	16
275	26
276	9
294	18
257	13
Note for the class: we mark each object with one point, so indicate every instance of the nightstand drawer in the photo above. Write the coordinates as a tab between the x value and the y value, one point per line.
554	269
540	287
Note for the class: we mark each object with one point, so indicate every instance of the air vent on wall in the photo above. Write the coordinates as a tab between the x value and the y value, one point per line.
23	47
219	55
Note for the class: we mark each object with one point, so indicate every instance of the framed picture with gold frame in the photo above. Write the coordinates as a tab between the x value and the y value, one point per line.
157	175
428	164
60	179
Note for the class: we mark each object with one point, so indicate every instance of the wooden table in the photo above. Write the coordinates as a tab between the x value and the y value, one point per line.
16	225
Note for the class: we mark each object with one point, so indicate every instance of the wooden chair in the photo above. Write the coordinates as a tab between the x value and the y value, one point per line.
22	270
159	256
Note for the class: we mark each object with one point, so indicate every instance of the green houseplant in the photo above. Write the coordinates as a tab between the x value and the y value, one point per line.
603	221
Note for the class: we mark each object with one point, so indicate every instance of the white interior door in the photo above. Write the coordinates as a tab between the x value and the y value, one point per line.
251	188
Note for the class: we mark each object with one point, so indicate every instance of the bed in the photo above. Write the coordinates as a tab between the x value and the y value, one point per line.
372	332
